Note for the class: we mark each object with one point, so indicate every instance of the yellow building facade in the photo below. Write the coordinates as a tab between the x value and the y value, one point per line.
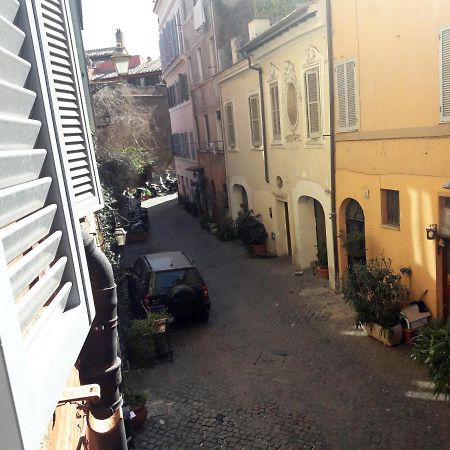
275	116
392	89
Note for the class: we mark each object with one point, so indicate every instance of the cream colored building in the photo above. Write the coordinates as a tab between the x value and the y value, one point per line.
278	156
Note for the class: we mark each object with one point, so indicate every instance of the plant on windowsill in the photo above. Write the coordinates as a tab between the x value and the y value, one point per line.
375	292
251	231
431	347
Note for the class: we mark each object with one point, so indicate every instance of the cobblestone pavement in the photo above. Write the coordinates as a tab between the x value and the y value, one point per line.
279	365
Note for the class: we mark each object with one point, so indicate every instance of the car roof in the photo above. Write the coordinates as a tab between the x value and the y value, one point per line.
168	261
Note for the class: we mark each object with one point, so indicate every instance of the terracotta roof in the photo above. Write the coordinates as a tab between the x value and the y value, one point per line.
153	65
95	52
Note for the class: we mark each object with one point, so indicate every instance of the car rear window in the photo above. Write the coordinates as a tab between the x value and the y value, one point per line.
164	281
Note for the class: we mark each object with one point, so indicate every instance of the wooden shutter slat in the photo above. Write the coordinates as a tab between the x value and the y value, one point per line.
9	8
57	306
16	101
27	268
20	236
82	188
351	94
39	294
18	133
11	37
20	166
18	201
12	68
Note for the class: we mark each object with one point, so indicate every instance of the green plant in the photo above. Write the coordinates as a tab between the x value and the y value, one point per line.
141	339
322	255
225	231
375	292
249	229
134	399
431	347
354	243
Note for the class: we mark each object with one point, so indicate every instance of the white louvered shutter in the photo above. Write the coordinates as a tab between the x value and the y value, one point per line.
231	135
70	108
444	38
46	297
313	115
346	96
255	120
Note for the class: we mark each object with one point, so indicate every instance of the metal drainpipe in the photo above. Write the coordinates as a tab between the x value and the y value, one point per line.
98	361
263	116
332	141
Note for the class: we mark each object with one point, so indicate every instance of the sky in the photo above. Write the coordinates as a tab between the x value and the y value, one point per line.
134	17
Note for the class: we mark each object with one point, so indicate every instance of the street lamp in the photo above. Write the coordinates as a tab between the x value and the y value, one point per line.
121	236
121	60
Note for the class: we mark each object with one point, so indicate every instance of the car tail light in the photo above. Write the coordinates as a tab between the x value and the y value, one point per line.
146	299
205	291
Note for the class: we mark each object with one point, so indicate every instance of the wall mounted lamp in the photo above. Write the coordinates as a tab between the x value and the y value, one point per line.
432	232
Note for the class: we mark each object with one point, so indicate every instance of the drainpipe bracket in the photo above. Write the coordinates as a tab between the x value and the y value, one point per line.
80	393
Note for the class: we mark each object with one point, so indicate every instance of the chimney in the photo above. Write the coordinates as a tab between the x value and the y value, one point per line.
119	39
257	27
235	45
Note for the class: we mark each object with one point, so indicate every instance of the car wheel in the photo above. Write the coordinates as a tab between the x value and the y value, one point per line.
181	301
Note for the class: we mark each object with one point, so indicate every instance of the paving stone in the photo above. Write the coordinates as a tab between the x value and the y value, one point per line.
250	380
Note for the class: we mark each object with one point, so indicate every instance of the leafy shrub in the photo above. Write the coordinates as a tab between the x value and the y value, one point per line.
375	292
142	340
431	347
249	229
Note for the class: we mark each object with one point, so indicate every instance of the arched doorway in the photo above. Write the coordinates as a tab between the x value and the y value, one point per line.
312	233
240	198
355	233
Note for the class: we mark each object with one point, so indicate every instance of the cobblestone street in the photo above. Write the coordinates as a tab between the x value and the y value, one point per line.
279	364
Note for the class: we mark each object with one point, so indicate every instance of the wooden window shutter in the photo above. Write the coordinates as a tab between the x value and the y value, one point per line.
230	126
47	305
445	73
255	120
58	48
346	96
313	103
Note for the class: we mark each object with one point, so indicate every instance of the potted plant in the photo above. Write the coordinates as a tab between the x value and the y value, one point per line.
137	404
375	292
322	261
431	347
251	231
142	344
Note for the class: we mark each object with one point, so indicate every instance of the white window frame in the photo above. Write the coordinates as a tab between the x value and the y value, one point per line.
230	144
443	118
347	127
253	95
275	113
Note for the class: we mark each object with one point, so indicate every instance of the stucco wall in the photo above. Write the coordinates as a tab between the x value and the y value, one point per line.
400	143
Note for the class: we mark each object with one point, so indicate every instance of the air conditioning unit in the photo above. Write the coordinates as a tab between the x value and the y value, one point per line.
444	226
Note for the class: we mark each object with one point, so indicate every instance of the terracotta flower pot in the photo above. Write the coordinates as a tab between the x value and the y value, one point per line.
259	250
141	414
323	272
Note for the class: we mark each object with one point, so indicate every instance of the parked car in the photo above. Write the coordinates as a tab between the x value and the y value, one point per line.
168	282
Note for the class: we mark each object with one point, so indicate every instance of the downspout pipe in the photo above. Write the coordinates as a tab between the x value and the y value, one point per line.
263	115
98	361
332	141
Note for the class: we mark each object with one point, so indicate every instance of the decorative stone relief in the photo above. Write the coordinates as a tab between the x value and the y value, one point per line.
273	73
312	56
292	99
